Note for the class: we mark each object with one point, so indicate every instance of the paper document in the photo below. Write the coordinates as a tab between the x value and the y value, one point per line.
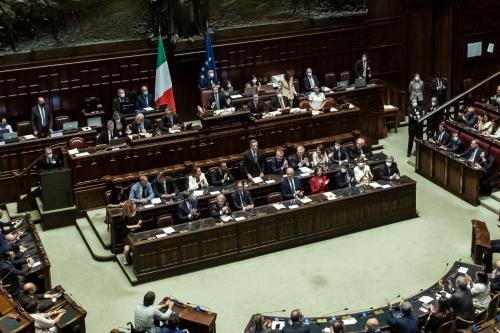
161	235
148	109
315	113
351	106
73	151
375	185
277	324
86	129
293	206
38	263
279	206
426	299
386	186
29	136
236	96
270	181
156	201
226	218
439	295
149	206
240	218
168	230
333	110
423	310
350	321
330	195
214	192
197	193
463	270
82	154
257	180
305	170
305	200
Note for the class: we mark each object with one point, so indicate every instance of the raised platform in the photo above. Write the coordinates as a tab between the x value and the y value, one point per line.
56	218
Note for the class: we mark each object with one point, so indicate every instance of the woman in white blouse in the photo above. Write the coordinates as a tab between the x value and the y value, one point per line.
362	171
480	290
45	322
495	129
317	99
319	156
197	180
287	87
484	125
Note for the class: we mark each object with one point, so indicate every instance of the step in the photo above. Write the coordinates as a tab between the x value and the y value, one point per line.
495	195
377	147
92	242
11	208
412	161
97	219
491	205
5	217
128	270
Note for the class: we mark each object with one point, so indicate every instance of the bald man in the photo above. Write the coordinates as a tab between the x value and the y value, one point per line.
45	301
360	149
372	326
141	125
142	191
296	318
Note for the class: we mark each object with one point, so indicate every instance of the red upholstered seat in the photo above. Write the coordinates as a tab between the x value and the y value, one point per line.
495	152
465	138
484	146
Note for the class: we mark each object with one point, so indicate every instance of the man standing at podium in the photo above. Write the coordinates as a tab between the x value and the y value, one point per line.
49	160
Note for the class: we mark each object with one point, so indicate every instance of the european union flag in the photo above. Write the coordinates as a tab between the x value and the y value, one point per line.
204	80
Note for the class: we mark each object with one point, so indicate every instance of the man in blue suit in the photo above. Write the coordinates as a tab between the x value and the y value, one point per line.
278	164
311	80
188	208
405	323
241	198
473	153
141	192
454	145
291	186
144	100
296	326
209	80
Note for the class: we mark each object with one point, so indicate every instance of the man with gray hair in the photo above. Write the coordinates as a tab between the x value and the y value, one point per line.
406	323
461	299
299	159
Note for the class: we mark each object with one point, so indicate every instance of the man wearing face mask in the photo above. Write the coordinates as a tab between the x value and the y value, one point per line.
415	112
362	171
416	89
41	118
441	138
390	170
362	67
49	160
338	154
279	101
256	106
119	100
433	122
144	99
345	177
495	99
311	80
254	83
209	80
5	127
454	145
468	118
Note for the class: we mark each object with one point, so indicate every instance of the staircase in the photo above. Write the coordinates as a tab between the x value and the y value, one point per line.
97	238
492	202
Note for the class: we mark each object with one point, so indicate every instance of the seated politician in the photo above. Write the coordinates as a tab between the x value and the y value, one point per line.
344	178
317	99
141	192
187	209
310	81
140	125
361	149
319	182
469	118
291	186
220	175
164	187
454	145
362	171
389	171
49	160
5	127
241	198
216	100
220	207
296	324
109	134
319	156
338	154
473	153
407	323
441	138
299	159
278	164
197	180
279	101
495	99
169	119
144	99
256	106
254	83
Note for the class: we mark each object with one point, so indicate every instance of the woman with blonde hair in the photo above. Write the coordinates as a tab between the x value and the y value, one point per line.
287	87
133	222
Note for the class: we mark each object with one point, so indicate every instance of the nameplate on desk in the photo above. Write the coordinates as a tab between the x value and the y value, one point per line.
82	154
161	235
236	96
305	200
214	192
155	201
386	186
293	206
279	206
226	218
168	230
240	218
198	193
149	206
257	180
29	137
270	181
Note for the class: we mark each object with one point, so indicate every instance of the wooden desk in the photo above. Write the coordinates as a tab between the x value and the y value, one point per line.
210	121
382	314
480	241
73	321
194	318
447	171
205	243
13	318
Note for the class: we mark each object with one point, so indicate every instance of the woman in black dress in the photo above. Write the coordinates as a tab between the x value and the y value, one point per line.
440	315
133	222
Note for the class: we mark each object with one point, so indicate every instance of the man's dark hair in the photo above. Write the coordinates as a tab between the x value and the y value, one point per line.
149	298
31	305
296	316
173	322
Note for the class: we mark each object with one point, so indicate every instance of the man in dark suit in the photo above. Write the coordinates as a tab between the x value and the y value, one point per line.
144	99
216	100
438	88
441	138
291	186
495	278
164	187
42	120
495	99
110	133
220	175
296	326
345	177
278	164
241	198
415	112
433	122
361	149
253	161
362	67
299	159
220	206
117	101
473	153
454	145
208	81
389	171
489	177
468	119
311	80
279	101
49	160
169	119
256	105
141	125
406	323
338	154
373	326
187	209
461	299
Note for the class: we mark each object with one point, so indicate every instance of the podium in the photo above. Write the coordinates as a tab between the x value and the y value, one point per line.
56	204
481	243
194	318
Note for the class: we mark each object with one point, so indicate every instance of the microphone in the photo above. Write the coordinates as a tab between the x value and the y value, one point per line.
269	312
334	312
445	267
197	307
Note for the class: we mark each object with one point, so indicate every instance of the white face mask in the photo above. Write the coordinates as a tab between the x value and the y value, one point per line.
337	147
145	92
389	164
229	84
414	104
455	138
122	95
360	165
280	95
309	74
343	170
50	156
211	75
254	81
433	103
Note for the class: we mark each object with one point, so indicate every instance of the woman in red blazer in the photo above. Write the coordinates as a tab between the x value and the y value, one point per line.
319	182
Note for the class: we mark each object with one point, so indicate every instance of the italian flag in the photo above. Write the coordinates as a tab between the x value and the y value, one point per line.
164	92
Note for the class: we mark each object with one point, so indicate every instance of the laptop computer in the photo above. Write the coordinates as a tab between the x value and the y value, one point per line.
3	131
360	82
342	84
127	107
10	137
118	142
189	126
250	91
70	127
94	122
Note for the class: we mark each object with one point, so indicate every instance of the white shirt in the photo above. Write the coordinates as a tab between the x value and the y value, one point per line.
359	174
42	324
316	100
193	184
317	160
497	133
480	295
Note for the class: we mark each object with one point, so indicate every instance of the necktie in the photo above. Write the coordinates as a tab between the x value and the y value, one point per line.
440	86
255	105
254	153
217	104
147	102
282	103
339	154
42	115
188	206
144	193
141	126
241	199
109	136
312	82
292	185
364	68
472	157
165	187
440	137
